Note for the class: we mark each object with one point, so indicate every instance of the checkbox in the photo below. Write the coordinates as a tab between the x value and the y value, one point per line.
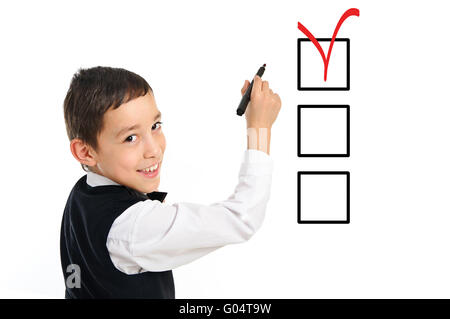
311	67
323	131
323	197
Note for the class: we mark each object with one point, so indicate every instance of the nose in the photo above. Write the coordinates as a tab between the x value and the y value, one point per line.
151	147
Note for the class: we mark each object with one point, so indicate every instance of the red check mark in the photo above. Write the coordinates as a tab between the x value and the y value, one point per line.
326	60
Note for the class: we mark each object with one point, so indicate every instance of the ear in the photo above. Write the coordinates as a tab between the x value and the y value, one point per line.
83	153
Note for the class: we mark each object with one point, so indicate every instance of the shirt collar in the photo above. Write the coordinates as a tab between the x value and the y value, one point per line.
94	179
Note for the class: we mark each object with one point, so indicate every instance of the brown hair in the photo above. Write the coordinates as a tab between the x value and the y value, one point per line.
91	93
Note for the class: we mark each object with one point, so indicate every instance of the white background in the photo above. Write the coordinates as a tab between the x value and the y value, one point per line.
196	56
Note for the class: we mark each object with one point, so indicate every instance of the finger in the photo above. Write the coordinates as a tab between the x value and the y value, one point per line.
257	85
245	87
265	85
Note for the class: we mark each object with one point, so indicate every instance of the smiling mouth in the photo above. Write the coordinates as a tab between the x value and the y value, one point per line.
151	171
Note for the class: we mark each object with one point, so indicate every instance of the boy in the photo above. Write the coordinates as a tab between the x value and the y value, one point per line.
118	238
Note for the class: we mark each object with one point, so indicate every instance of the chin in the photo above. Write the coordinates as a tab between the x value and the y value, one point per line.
151	189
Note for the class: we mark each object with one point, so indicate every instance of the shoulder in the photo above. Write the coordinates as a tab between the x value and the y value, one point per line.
110	198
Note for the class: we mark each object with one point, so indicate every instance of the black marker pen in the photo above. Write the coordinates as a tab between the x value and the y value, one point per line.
246	97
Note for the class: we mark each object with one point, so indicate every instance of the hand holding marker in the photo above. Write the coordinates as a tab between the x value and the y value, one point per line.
263	108
246	97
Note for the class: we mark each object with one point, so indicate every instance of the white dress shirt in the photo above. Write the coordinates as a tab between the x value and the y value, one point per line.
154	236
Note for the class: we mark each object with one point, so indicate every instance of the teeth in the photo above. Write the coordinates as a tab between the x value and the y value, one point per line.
150	169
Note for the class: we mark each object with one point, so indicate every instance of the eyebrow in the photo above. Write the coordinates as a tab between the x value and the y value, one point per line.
135	126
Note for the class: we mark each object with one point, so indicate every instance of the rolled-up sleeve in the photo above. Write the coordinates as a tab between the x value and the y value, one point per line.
154	236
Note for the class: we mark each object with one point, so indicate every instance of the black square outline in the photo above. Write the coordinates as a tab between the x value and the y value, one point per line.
322	106
346	88
299	219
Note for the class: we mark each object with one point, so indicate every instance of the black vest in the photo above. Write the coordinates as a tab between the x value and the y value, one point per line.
88	217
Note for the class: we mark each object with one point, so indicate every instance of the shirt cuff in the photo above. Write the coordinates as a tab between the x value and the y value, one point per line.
256	162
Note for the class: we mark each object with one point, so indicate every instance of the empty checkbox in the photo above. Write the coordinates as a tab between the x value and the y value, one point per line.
323	131
323	197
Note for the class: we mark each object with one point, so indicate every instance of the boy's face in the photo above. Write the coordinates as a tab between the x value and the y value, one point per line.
132	140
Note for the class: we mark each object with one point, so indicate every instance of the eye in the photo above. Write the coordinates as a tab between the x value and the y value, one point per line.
156	124
130	140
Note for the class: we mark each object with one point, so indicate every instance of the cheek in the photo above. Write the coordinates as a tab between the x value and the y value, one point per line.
122	159
129	159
